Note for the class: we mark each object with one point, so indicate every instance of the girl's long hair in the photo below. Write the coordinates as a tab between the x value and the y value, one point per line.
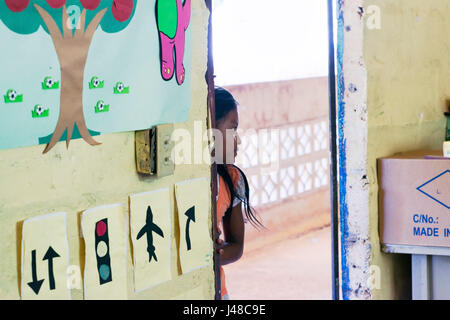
224	103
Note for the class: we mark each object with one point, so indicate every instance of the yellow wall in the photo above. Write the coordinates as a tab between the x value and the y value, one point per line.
408	82
33	184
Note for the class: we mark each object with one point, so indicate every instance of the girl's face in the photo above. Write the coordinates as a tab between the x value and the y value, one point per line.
228	127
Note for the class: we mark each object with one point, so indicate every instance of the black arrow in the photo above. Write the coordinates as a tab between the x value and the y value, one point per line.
49	255
35	284
190	214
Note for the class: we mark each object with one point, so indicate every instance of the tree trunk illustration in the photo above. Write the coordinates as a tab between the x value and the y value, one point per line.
72	49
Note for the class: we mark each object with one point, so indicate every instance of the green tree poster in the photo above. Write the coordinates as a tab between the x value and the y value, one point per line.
80	68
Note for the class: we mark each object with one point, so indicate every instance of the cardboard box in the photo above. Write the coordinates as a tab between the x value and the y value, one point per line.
414	199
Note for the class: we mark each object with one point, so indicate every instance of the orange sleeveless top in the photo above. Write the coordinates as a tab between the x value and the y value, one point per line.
223	203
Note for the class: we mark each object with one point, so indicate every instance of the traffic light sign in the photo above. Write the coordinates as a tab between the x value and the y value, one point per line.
102	251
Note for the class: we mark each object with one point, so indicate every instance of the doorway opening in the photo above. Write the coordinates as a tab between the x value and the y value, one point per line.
274	58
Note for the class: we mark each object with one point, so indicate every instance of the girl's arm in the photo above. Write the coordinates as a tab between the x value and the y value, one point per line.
233	228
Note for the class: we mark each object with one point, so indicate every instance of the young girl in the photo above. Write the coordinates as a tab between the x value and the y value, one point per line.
233	190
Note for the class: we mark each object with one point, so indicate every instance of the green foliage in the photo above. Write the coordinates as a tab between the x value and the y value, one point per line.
12	96
101	107
121	89
39	112
49	84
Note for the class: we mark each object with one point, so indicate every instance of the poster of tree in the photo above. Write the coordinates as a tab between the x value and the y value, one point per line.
74	69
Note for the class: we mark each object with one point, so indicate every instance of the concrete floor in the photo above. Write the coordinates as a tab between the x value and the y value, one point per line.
296	268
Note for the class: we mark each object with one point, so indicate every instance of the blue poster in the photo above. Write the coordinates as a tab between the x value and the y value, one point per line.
73	69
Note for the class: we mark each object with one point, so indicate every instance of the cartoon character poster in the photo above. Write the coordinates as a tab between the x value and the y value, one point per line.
80	68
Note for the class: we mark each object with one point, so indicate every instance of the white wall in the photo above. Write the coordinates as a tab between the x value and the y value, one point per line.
265	40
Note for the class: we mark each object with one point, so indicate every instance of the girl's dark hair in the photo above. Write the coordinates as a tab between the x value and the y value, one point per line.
224	103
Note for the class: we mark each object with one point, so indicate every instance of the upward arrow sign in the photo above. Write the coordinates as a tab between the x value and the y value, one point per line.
49	255
190	214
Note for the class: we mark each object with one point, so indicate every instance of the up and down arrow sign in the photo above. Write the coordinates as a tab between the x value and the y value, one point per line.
36	284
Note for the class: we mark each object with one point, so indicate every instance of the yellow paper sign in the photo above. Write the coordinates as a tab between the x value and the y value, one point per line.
192	294
151	236
105	234
193	205
45	258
